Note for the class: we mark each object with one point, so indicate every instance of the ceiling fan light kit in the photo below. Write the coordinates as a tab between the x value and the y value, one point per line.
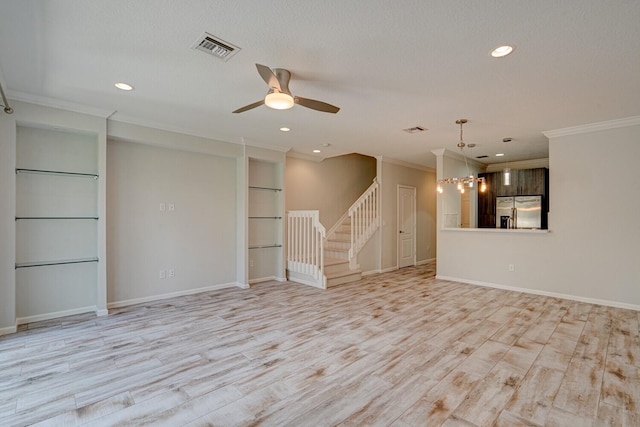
279	96
279	100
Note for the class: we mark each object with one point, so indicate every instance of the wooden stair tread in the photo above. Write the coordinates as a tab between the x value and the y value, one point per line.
336	250
335	261
344	240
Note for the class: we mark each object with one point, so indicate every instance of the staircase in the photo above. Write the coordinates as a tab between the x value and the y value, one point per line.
336	256
322	259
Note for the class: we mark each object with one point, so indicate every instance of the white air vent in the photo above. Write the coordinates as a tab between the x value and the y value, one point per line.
215	46
415	129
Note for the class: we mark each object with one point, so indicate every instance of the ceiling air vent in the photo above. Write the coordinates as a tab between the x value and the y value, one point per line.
415	129
215	46
481	157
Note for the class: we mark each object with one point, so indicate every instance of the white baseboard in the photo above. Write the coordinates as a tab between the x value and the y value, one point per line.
307	279
307	282
242	285
151	298
545	293
370	272
267	279
55	315
8	330
425	261
102	312
304	281
389	269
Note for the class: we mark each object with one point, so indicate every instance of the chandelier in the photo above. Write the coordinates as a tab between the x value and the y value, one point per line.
469	180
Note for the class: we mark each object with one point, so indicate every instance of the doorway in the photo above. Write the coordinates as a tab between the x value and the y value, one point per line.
406	226
465	211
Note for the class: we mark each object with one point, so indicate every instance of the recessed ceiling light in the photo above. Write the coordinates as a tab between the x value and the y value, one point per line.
501	51
316	151
123	86
285	129
499	154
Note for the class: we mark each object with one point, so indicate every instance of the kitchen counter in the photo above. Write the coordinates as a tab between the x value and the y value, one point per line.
497	230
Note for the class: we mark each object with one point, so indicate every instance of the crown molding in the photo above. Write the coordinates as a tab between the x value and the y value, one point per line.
593	127
519	164
123	118
304	156
444	152
407	164
265	146
57	103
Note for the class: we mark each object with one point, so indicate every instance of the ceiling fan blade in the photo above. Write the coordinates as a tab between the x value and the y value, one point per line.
249	107
316	105
268	76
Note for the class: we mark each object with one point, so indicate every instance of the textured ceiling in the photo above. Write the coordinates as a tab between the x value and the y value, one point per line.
389	65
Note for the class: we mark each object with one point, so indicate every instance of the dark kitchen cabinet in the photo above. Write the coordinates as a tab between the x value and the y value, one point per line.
524	182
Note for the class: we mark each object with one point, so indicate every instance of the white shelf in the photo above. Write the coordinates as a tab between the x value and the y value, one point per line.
56	217
251	187
62	173
58	262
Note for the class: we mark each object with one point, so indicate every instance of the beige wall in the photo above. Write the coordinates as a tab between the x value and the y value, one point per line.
330	186
394	174
591	251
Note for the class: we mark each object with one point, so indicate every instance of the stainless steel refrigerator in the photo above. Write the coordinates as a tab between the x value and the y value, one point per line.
519	212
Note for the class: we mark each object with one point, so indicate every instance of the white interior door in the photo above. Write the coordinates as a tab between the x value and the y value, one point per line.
406	226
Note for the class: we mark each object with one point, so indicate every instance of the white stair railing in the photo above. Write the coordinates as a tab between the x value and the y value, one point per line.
365	219
305	245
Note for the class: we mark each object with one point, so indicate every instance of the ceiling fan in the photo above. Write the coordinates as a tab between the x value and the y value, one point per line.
279	95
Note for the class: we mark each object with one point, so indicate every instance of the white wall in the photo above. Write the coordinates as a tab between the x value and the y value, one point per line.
7	223
198	239
591	252
40	116
266	263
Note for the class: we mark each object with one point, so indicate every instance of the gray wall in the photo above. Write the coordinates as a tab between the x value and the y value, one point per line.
197	239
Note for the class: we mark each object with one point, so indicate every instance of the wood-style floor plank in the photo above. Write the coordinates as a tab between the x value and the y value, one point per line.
396	349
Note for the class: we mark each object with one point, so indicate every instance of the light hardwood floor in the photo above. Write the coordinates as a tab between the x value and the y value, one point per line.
399	349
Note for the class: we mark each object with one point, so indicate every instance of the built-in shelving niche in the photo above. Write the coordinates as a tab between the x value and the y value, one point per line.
56	222
266	218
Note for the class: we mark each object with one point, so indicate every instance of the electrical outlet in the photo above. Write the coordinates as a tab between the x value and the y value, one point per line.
172	272
163	274
172	207
512	267
163	207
